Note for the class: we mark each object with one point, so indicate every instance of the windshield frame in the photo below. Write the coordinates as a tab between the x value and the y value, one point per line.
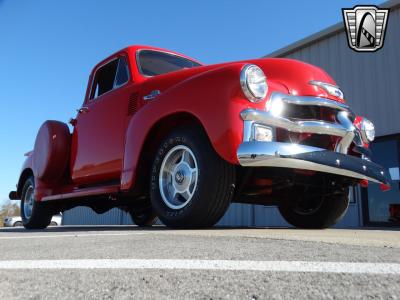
139	67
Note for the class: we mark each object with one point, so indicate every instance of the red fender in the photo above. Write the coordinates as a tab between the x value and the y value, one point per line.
216	103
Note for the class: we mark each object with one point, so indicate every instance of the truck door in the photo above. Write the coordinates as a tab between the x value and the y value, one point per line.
99	130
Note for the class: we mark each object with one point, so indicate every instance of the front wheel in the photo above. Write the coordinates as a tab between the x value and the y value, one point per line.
34	214
191	186
313	209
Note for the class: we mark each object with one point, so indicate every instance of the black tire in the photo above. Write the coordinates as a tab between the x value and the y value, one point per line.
317	212
53	223
17	224
214	186
40	216
145	218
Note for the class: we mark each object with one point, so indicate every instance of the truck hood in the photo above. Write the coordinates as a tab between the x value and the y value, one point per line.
294	75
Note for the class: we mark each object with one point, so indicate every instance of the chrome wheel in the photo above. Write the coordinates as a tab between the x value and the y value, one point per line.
178	177
28	202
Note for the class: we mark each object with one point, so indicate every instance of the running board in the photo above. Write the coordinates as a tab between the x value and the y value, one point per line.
85	192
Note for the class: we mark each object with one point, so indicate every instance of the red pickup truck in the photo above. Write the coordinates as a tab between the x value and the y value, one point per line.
161	135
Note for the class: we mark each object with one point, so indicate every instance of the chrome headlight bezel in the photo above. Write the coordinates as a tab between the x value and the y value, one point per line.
367	130
249	88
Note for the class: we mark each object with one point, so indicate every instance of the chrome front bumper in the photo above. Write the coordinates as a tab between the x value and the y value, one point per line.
252	153
286	155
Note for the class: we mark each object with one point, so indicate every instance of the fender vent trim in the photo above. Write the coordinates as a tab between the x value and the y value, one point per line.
133	104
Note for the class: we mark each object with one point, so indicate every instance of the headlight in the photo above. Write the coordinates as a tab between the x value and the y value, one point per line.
253	82
367	130
329	88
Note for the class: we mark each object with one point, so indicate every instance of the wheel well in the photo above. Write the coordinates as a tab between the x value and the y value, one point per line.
160	130
24	176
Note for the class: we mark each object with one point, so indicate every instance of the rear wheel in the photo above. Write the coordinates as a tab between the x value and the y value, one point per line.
314	210
191	186
17	224
143	218
34	214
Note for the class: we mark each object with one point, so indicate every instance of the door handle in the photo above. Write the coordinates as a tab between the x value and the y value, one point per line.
83	110
152	95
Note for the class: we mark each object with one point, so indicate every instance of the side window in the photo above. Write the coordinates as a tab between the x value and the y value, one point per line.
122	72
104	79
110	76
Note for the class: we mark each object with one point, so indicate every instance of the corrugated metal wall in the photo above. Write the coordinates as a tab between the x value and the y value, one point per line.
370	82
239	215
86	216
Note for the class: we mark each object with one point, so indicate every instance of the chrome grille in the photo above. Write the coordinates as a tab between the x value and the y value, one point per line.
309	115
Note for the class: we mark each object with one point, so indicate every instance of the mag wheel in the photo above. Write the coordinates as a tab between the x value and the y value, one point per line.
191	186
35	215
314	210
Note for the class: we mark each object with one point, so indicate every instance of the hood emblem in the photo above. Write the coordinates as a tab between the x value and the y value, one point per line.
331	89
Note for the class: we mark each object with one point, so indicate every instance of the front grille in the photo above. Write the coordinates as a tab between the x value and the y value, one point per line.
311	113
316	140
308	112
307	120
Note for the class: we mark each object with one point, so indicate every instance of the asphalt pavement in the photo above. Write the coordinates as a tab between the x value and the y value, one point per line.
121	262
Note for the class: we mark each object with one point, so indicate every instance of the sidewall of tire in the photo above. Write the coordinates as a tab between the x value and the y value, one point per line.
196	212
146	218
41	213
331	211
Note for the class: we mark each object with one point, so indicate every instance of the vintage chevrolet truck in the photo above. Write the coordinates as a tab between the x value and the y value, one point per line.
161	135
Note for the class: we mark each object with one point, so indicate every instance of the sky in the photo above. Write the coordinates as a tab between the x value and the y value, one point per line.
48	48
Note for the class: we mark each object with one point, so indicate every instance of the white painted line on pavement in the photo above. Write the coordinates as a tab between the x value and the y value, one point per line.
69	235
189	264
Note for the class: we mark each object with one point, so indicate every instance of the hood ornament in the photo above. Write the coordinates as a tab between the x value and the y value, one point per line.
331	89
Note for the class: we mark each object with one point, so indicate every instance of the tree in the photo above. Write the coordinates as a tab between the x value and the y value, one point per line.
9	209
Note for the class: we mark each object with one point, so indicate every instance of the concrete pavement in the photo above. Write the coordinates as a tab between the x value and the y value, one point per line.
201	264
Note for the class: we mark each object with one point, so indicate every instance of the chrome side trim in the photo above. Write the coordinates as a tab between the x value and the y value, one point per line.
307	100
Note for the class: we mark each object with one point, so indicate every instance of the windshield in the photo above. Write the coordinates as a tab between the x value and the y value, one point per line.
152	63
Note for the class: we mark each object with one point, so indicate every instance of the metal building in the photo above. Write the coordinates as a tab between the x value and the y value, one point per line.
370	83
